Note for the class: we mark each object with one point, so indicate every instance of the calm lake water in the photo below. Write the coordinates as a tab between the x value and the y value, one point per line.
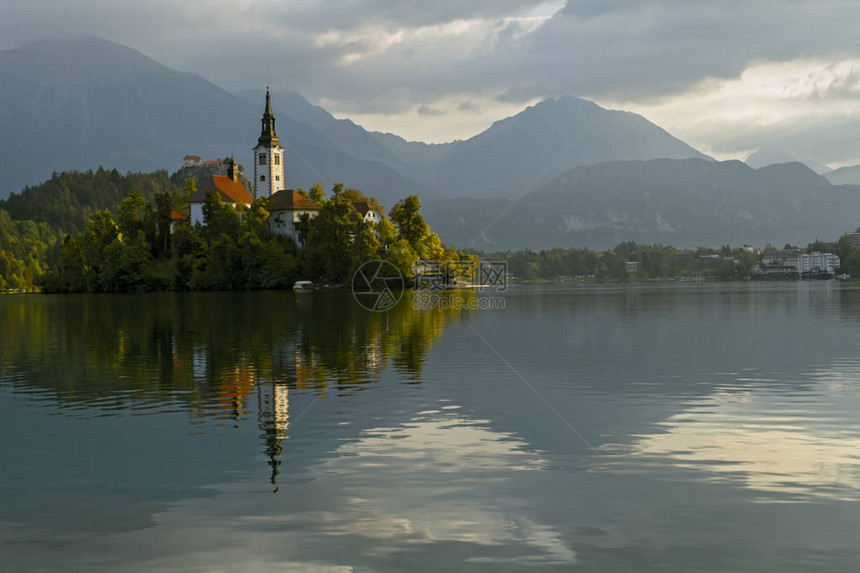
675	428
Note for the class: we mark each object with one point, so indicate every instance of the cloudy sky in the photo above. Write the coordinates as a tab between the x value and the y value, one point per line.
727	76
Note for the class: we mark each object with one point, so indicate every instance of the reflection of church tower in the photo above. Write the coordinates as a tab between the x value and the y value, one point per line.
268	157
274	406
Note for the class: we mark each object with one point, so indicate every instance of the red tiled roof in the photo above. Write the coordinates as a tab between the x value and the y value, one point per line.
229	190
233	189
290	200
193	157
177	216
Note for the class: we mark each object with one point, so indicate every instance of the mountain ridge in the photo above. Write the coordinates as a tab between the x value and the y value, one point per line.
686	203
133	114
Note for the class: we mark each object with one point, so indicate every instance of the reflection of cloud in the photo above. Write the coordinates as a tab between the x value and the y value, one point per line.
433	491
430	459
768	442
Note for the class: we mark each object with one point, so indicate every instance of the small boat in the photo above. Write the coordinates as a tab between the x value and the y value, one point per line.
303	285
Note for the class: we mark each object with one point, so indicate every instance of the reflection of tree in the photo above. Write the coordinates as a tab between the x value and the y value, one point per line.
214	353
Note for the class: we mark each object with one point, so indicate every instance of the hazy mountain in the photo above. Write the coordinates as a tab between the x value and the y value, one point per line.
513	156
78	104
345	134
844	175
520	153
679	202
86	102
414	155
772	156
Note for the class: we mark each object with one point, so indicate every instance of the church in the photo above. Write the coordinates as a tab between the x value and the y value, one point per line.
286	206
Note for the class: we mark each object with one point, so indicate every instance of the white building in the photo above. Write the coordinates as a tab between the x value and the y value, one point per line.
367	213
192	161
268	157
817	262
286	208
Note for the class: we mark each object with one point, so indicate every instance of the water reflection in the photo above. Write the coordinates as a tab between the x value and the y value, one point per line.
217	356
150	432
787	445
208	349
460	464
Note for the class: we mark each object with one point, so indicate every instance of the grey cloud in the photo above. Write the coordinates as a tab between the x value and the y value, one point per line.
841	88
616	49
337	14
468	107
660	46
425	109
831	140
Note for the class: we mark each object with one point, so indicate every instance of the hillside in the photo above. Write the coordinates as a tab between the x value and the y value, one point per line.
66	200
844	175
684	203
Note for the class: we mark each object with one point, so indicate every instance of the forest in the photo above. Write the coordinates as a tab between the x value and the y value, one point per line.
104	231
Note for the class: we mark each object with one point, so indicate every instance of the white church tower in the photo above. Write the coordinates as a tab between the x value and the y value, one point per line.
268	157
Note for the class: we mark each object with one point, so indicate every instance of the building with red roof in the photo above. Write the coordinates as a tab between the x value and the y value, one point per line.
286	208
229	189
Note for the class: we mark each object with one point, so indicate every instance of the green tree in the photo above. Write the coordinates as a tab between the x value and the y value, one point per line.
316	193
410	224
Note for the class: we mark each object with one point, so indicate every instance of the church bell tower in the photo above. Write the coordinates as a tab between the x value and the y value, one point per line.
268	157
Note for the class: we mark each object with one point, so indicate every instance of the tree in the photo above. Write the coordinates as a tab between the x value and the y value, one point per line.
410	224
316	193
402	256
365	245
329	238
386	232
125	265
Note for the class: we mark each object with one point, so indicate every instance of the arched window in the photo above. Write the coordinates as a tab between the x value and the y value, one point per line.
262	177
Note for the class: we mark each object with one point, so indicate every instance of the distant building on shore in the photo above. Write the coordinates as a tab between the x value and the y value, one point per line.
793	262
826	263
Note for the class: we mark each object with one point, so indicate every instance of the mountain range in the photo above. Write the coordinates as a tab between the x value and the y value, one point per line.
562	172
93	102
85	103
685	203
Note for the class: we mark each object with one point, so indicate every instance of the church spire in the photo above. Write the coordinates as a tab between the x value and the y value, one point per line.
268	137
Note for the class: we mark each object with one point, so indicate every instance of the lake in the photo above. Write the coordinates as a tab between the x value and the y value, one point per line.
711	427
